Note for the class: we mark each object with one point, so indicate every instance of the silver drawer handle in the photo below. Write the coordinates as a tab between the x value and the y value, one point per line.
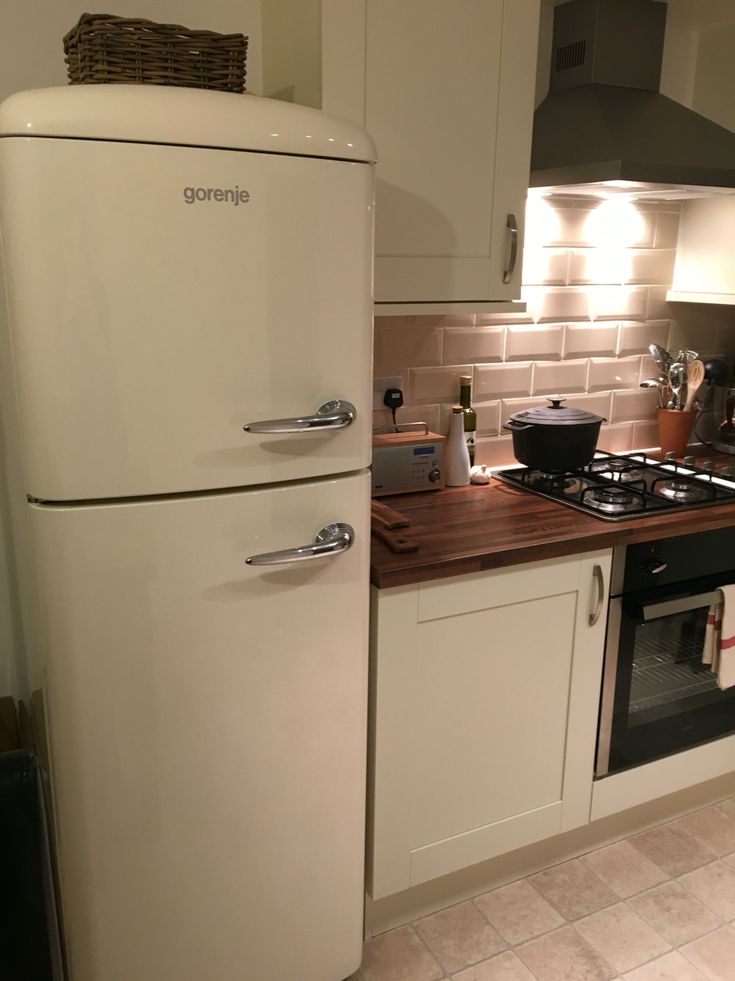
330	541
334	414
511	227
600	583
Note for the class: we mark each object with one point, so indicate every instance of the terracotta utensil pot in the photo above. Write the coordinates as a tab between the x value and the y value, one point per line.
674	429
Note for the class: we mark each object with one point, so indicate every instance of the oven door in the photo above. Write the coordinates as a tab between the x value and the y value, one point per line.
658	697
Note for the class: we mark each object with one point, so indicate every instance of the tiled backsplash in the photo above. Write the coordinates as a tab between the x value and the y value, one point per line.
595	279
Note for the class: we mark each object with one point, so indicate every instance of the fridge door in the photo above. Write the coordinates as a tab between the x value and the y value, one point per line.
162	297
207	725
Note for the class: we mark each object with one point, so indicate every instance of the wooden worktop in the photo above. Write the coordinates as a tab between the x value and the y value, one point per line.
470	529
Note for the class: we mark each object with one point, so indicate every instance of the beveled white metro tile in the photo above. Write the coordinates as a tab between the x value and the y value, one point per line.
571	227
534	343
598	266
509	406
488	418
557	304
635	337
616	439
552	377
445	320
410	413
501	381
617	302
645	436
590	340
473	345
494	451
612	373
699	333
599	403
393	321
651	266
658	308
634	405
436	384
544	267
403	347
667	231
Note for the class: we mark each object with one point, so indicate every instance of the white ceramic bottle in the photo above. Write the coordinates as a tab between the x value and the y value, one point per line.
458	458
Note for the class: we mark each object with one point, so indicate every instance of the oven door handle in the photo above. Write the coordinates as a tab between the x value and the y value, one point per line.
684	604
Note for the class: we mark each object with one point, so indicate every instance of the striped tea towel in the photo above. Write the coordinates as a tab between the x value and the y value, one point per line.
719	638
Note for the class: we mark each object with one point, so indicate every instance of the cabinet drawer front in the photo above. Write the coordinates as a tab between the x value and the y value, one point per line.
465	594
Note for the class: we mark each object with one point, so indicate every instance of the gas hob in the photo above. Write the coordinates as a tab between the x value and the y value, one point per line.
630	485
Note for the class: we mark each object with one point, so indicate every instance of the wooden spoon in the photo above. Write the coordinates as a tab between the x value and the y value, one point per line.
695	377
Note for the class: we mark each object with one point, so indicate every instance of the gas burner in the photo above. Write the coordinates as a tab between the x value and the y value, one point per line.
612	500
682	490
614	469
557	483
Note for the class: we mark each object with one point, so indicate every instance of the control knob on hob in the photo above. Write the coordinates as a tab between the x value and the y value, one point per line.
653	566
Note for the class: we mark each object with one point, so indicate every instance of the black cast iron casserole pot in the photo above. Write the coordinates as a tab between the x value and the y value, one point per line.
554	437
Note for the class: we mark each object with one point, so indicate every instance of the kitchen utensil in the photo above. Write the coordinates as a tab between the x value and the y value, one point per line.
677	380
395	540
388	517
661	356
695	377
654	383
686	356
554	437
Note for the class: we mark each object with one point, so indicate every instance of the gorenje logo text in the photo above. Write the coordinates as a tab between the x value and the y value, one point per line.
233	195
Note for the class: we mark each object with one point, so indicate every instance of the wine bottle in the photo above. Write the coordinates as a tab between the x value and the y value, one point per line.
470	416
457	460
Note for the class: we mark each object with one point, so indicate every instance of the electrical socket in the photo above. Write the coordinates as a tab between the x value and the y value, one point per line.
379	388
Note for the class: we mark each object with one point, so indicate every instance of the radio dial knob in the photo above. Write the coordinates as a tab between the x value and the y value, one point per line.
435	475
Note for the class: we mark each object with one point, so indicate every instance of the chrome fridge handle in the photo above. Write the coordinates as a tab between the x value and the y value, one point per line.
600	583
511	226
331	540
334	414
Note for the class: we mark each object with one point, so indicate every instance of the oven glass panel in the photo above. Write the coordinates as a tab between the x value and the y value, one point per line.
666	699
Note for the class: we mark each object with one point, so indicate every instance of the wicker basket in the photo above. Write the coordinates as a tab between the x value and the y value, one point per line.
102	48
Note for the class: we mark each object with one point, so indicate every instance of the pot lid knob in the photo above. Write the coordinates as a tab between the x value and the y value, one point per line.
556	401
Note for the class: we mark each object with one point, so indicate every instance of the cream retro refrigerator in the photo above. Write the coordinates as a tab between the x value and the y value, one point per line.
188	281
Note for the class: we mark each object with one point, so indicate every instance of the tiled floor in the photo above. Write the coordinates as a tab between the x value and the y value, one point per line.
659	906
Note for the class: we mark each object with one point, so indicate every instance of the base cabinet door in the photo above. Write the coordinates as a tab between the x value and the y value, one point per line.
484	712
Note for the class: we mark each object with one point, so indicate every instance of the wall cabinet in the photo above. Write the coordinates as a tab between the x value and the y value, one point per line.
705	252
446	90
484	701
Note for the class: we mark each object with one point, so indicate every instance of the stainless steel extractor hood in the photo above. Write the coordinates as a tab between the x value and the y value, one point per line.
605	127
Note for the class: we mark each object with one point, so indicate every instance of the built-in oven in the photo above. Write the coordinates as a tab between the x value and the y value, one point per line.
658	697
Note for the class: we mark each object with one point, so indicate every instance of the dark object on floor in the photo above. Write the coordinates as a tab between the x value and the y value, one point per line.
26	940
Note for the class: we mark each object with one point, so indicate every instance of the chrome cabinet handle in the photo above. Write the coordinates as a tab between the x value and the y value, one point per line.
330	541
600	583
511	256
334	414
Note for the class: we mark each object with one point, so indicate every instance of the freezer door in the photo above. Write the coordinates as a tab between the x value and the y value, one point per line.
162	297
208	733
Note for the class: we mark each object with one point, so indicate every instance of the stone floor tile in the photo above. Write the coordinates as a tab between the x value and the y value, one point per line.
399	955
730	859
713	827
573	889
518	912
670	967
564	956
714	954
672	849
675	913
504	967
728	806
626	870
714	884
620	936
460	936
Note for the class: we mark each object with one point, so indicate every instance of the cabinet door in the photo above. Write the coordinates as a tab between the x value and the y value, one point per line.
485	714
446	91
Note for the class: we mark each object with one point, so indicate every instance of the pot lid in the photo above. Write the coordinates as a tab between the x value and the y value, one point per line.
556	414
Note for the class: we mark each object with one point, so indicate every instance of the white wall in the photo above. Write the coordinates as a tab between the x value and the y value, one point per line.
32	56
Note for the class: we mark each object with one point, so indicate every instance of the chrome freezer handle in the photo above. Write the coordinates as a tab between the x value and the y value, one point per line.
330	541
334	414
